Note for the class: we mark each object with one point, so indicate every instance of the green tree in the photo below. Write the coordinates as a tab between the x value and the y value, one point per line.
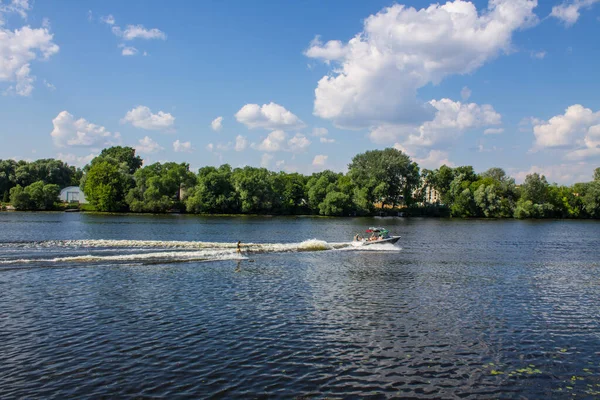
20	199
254	189
317	187
105	185
160	187
336	203
591	200
535	188
385	176
597	174
37	196
214	192
125	155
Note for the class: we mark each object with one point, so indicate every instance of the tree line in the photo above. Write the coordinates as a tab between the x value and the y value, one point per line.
376	181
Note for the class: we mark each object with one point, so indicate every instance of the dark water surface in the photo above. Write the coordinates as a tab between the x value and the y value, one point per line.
162	306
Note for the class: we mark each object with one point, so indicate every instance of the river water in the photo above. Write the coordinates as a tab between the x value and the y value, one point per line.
163	306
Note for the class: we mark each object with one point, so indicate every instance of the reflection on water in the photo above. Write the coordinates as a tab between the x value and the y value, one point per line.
477	309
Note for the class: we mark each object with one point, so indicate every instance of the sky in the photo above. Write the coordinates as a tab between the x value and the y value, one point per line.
304	86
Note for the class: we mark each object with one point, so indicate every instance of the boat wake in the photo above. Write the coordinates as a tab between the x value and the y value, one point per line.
154	251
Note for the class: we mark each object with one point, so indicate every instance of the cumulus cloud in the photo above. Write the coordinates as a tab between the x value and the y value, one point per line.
568	12
142	117
319	160
20	47
432	159
240	143
465	93
182	147
69	131
270	116
566	129
265	160
493	131
275	141
299	143
210	147
132	32
451	119
577	131
402	49
217	124
278	141
326	140
320	132
128	50
147	146
78	161
560	173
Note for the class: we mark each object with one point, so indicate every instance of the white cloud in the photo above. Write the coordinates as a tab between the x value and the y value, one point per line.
560	173
15	6
182	147
493	131
217	124
210	147
319	160
575	126
568	11
270	116
138	32
320	132
333	50
432	159
540	55
465	93
224	146
265	160
452	118
128	50
240	143
50	86
109	19
402	49
19	48
279	163
326	140
142	117
275	141
278	141
298	144
71	132
147	146
78	161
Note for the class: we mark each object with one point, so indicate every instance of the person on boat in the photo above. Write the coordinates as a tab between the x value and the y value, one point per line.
239	247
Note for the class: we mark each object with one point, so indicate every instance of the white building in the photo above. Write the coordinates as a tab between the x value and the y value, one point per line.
72	194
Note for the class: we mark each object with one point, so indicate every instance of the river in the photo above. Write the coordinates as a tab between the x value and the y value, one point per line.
163	306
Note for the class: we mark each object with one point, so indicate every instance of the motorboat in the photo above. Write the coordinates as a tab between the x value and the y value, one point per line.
375	235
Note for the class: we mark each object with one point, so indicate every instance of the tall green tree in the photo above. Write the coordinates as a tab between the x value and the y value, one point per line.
214	192
387	177
254	189
597	174
105	185
160	187
125	155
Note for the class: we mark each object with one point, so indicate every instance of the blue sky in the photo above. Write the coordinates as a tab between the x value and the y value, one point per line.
304	86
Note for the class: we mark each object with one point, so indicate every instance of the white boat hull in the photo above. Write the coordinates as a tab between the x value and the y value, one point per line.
365	242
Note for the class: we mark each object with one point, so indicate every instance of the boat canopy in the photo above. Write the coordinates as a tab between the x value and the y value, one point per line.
377	230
